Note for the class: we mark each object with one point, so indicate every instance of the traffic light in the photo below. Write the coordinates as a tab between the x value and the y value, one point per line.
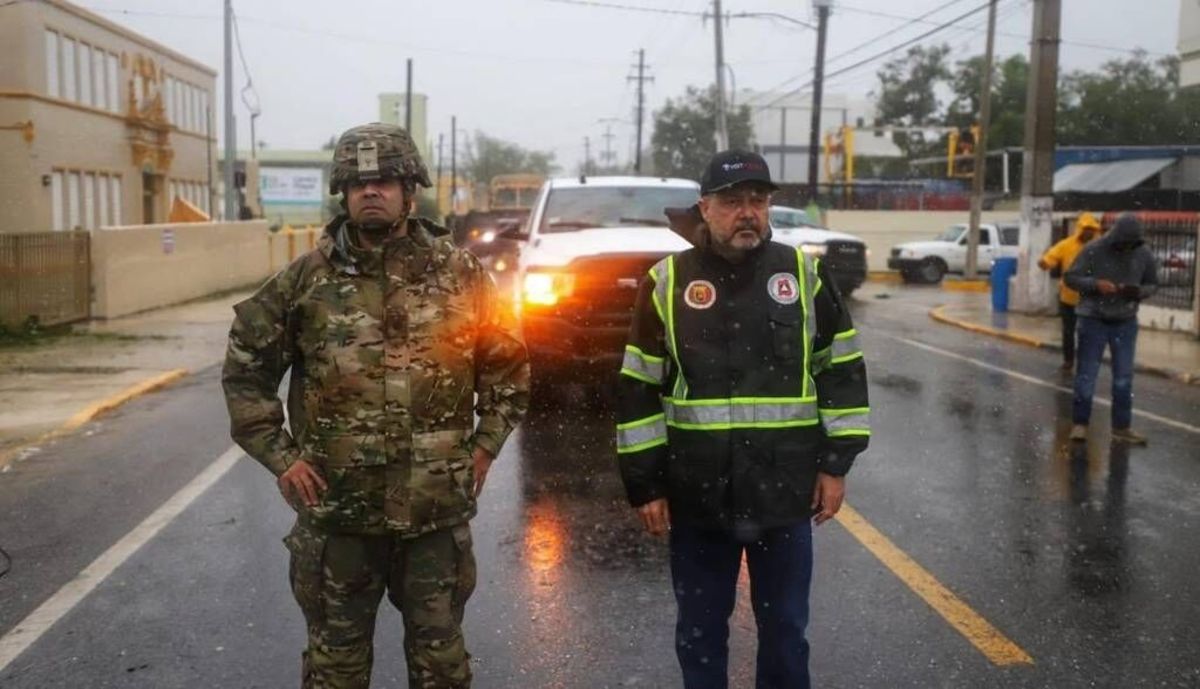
960	151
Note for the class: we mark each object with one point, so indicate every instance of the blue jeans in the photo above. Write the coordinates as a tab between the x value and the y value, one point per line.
1121	339
704	569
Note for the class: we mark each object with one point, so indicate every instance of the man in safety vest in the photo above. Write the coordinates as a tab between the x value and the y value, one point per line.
742	405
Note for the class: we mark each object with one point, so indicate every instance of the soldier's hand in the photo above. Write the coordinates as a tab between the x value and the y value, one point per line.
827	497
483	462
656	517
302	481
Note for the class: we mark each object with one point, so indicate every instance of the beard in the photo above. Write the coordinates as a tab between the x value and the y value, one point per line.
746	237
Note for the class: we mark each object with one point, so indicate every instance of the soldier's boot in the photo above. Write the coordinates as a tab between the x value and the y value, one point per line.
432	577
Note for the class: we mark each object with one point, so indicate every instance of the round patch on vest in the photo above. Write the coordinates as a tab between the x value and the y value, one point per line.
700	294
783	288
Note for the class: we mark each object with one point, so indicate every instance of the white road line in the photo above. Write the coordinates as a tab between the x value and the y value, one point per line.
1037	381
30	629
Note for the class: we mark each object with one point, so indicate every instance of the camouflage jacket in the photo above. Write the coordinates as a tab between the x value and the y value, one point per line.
387	351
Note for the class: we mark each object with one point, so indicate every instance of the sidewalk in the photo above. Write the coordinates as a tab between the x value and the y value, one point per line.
1173	355
62	383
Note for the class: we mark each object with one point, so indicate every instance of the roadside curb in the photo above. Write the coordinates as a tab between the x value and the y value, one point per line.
884	276
938	314
979	286
94	410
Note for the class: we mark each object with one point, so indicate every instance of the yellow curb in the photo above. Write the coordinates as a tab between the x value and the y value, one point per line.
938	314
884	276
92	411
966	286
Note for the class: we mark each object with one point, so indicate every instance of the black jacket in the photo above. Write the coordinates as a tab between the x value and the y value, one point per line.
1121	257
734	393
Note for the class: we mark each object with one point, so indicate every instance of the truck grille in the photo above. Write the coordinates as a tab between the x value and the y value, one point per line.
844	255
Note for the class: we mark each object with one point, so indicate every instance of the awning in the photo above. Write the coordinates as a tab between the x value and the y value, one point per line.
1109	177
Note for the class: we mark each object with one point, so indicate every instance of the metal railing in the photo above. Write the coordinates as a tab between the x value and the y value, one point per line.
1172	237
45	276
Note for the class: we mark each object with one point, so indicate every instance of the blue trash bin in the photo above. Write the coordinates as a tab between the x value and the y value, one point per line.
1002	270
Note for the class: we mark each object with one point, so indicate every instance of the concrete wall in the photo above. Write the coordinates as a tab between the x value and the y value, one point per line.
882	230
148	266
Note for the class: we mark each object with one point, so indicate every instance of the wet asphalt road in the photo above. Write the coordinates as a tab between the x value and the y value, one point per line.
1085	558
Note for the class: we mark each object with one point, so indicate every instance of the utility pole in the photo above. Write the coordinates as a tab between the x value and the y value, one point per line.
979	170
641	80
408	99
1033	288
453	165
231	205
608	155
587	155
782	142
814	138
437	194
722	124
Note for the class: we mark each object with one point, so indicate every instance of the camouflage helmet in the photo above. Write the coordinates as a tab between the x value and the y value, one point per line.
376	151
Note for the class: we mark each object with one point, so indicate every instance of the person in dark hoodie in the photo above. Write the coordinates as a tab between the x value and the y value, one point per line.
742	405
1113	275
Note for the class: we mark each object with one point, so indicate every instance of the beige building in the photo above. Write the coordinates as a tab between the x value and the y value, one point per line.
1189	42
98	125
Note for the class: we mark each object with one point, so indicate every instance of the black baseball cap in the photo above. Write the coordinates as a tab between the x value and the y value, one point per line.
728	168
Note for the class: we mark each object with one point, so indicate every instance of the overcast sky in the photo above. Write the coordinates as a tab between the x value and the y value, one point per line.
543	73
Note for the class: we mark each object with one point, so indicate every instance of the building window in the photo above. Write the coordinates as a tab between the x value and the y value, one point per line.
204	114
113	83
100	88
169	98
72	200
89	201
84	54
68	69
52	48
56	201
115	184
102	201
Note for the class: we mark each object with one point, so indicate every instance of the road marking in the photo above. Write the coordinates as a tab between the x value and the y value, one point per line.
982	635
30	629
1037	381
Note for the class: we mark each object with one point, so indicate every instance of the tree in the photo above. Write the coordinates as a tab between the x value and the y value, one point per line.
1129	102
329	145
1009	89
488	156
685	130
907	94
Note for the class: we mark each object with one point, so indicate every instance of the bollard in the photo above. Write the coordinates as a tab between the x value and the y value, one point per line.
1002	270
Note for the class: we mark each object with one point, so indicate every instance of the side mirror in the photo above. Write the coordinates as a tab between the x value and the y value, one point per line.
511	230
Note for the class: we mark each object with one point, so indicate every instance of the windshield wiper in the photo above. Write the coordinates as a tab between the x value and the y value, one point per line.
656	222
577	224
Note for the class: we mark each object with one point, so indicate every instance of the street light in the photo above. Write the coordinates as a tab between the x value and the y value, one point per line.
814	140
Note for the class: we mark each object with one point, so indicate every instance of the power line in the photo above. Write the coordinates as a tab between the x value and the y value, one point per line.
867	43
631	8
882	54
256	108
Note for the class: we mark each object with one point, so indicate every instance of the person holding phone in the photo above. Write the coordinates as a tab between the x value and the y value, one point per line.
1113	275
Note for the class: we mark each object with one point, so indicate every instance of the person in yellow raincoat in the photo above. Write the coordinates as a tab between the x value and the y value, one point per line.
1058	259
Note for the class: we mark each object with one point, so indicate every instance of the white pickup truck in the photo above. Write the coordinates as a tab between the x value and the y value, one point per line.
587	245
929	261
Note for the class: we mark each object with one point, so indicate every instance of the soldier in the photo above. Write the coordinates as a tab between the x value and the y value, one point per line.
394	338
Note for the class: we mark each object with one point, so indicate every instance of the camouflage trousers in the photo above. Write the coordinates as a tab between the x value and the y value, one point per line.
339	581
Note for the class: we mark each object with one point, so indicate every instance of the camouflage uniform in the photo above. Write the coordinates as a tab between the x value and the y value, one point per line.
387	349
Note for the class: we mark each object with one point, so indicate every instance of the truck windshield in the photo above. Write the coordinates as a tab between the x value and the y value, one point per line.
951	234
504	197
586	207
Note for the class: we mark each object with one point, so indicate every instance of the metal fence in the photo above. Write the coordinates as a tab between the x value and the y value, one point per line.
44	276
1172	238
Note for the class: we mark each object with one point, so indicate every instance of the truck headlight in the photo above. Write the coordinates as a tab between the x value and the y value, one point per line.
813	249
547	289
488	237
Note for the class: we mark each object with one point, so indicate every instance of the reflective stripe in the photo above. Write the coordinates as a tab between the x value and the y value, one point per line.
817	276
821	360
643	434
643	367
804	269
741	412
846	422
663	273
845	347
